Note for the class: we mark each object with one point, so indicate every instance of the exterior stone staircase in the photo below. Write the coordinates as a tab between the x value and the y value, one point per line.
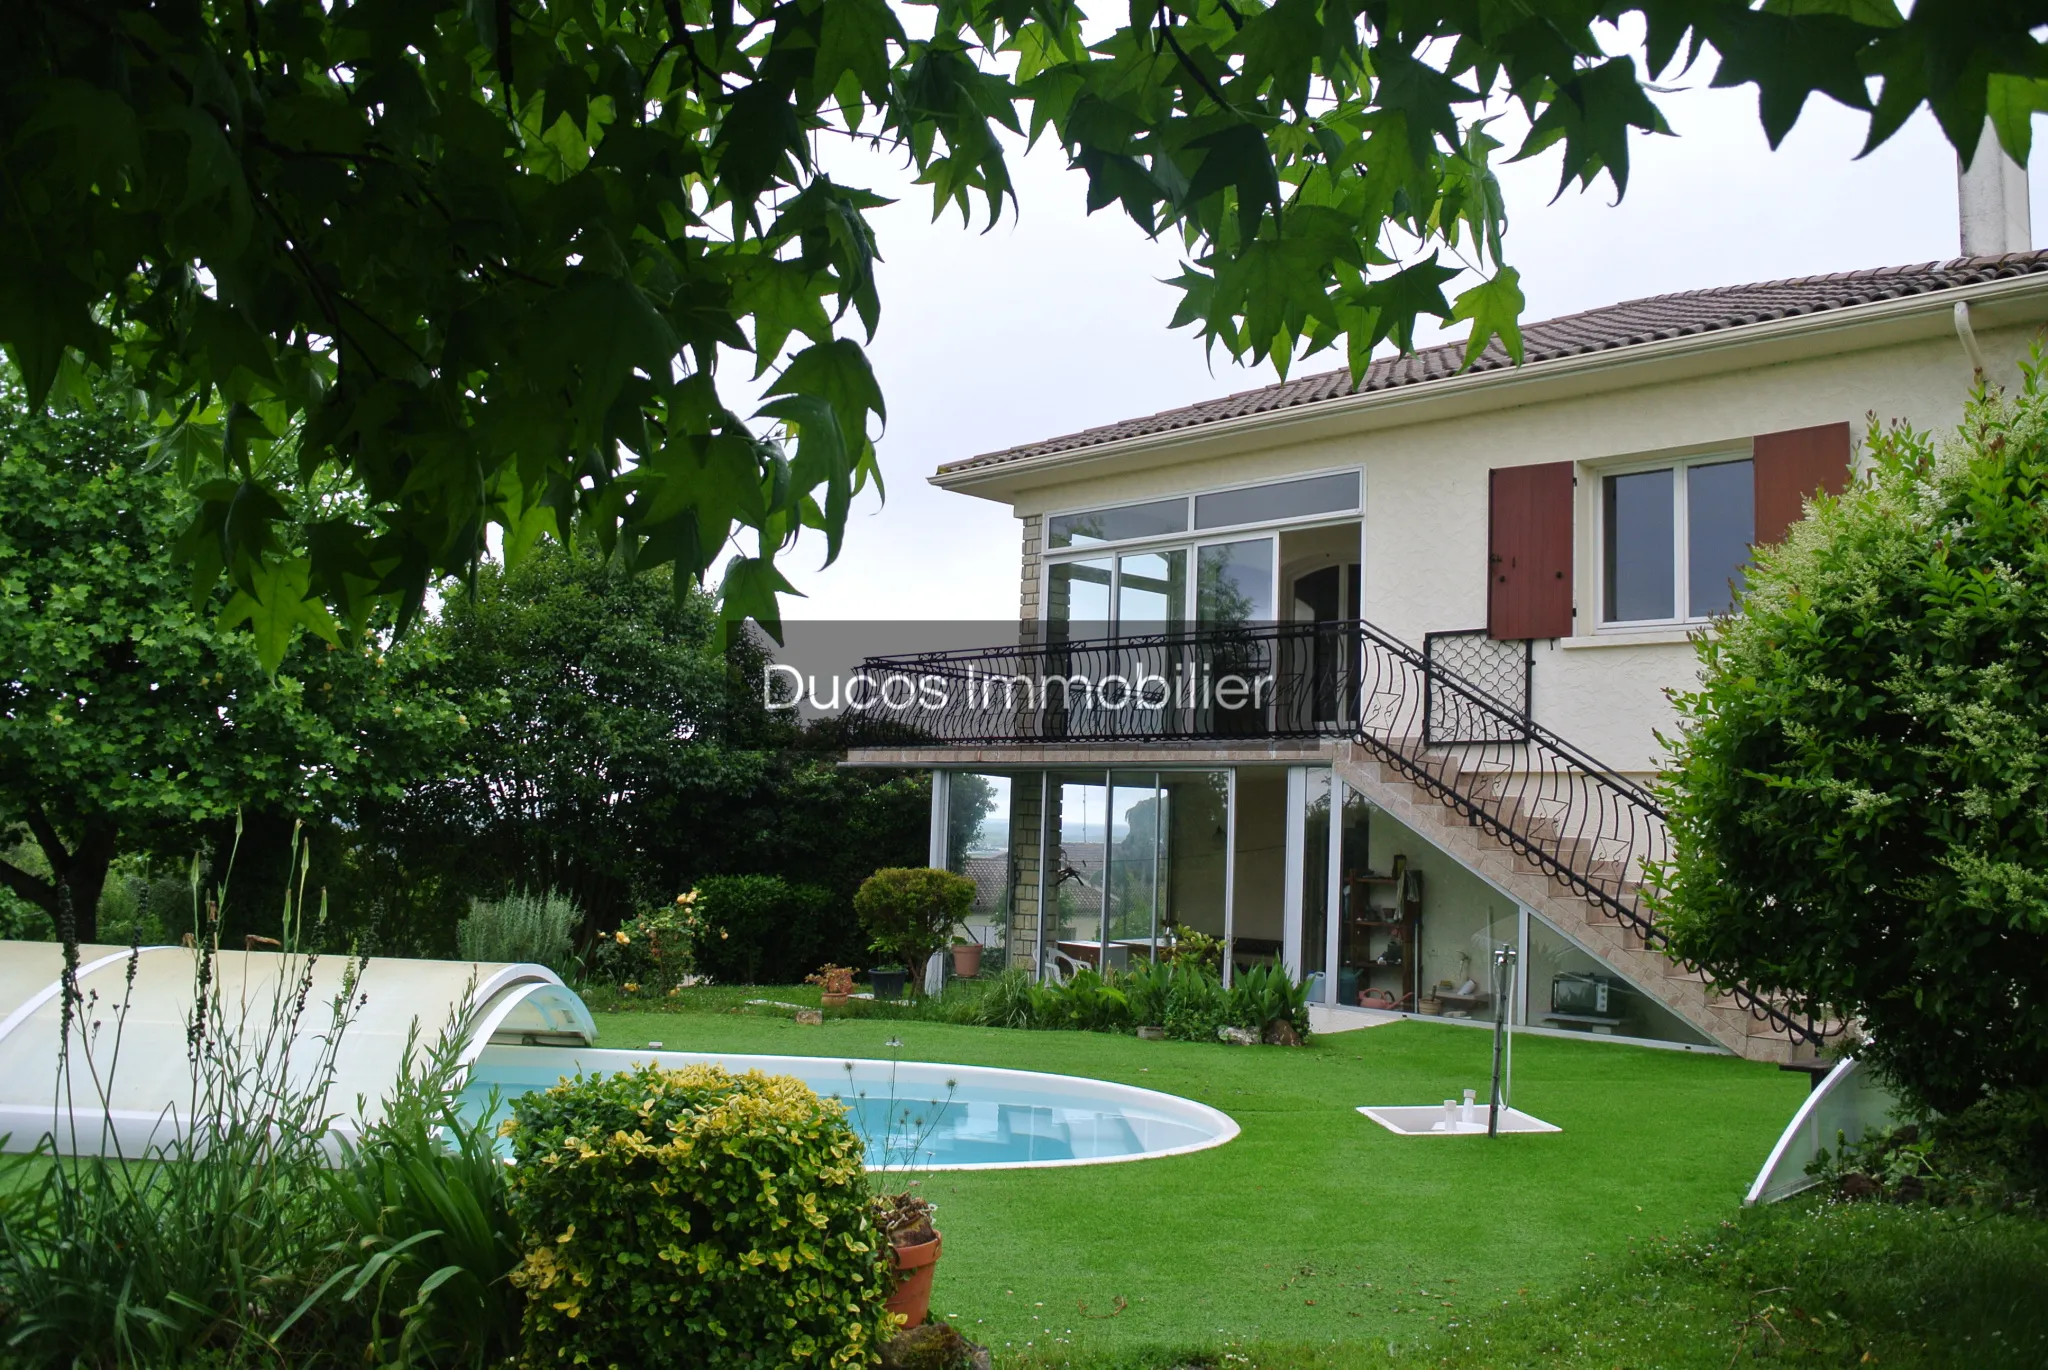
1371	769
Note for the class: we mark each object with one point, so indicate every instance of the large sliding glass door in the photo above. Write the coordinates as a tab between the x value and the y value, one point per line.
1151	592
1131	894
1080	829
1352	930
1137	855
1234	583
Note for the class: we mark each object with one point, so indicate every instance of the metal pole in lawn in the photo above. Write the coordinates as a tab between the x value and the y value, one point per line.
1503	974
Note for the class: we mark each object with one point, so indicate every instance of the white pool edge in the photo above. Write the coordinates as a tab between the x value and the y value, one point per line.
1224	1127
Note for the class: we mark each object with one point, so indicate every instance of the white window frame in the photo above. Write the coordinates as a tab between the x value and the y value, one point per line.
1681	537
1193	541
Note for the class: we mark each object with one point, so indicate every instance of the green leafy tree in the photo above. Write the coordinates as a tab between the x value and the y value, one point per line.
493	255
817	822
1859	794
131	719
620	753
607	724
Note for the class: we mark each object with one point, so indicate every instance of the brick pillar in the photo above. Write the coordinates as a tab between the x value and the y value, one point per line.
1026	821
1027	583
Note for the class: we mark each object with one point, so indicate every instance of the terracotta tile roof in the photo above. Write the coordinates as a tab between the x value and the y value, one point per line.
1629	324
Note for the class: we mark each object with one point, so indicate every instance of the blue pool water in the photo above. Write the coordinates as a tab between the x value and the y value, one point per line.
915	1115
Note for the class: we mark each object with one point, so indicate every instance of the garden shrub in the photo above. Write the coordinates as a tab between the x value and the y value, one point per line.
763	930
1087	1002
523	926
695	1218
1192	948
1986	1156
1268	994
1185	999
1859	795
1007	1000
657	949
1196	1005
193	1249
428	1232
910	912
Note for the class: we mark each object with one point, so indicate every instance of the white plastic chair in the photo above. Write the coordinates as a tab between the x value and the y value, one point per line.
1060	967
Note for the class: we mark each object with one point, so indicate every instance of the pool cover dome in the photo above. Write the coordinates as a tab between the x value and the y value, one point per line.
147	995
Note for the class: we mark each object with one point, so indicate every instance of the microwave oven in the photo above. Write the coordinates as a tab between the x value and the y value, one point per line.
1587	996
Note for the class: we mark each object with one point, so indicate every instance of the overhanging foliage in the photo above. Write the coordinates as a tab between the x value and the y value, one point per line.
490	253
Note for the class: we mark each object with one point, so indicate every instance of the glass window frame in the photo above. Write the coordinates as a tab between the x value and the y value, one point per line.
1049	779
1193	541
1186	512
1357	506
1681	538
1190	496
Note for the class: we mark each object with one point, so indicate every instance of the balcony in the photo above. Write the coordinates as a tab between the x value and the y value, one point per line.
1250	683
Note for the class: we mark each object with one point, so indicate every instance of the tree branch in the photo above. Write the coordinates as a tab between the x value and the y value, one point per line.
47	837
1188	63
33	888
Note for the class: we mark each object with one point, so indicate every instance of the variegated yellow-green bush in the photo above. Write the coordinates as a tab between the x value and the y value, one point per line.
694	1218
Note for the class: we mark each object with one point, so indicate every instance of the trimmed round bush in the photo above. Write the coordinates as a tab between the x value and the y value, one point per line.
910	912
694	1218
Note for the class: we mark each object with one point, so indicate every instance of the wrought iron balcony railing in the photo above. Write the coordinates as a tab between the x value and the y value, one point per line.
1589	828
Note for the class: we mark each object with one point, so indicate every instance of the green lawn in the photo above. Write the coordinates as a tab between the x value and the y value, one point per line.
1315	1226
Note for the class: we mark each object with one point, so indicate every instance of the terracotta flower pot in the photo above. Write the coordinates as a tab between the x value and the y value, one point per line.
915	1266
830	1000
967	960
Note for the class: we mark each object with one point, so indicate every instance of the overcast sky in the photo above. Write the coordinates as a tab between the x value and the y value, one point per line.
1056	320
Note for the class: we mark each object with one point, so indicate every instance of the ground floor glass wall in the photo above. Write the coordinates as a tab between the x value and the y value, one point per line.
1132	856
981	843
1569	989
1286	864
1404	926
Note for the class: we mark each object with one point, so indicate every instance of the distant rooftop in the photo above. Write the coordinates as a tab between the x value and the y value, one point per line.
1629	324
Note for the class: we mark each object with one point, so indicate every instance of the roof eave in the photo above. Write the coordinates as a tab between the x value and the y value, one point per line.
1585	373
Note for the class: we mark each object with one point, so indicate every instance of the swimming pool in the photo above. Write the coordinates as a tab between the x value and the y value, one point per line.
918	1115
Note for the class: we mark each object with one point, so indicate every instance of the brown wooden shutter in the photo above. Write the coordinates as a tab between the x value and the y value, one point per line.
1529	551
1791	466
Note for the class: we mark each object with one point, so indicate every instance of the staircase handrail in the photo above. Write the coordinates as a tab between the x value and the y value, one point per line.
1600	805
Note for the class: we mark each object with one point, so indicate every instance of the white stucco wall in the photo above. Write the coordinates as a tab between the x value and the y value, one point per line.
1426	493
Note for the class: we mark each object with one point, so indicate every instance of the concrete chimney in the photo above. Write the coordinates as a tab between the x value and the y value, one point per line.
1991	199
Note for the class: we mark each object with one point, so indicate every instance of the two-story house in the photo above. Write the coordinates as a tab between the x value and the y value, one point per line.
1368	680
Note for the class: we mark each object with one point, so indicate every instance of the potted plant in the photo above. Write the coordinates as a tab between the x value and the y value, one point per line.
908	913
887	981
834	984
966	958
906	1221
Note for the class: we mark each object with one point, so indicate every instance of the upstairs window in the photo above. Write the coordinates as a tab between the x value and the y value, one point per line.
1291	499
1675	540
1126	523
1285	501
